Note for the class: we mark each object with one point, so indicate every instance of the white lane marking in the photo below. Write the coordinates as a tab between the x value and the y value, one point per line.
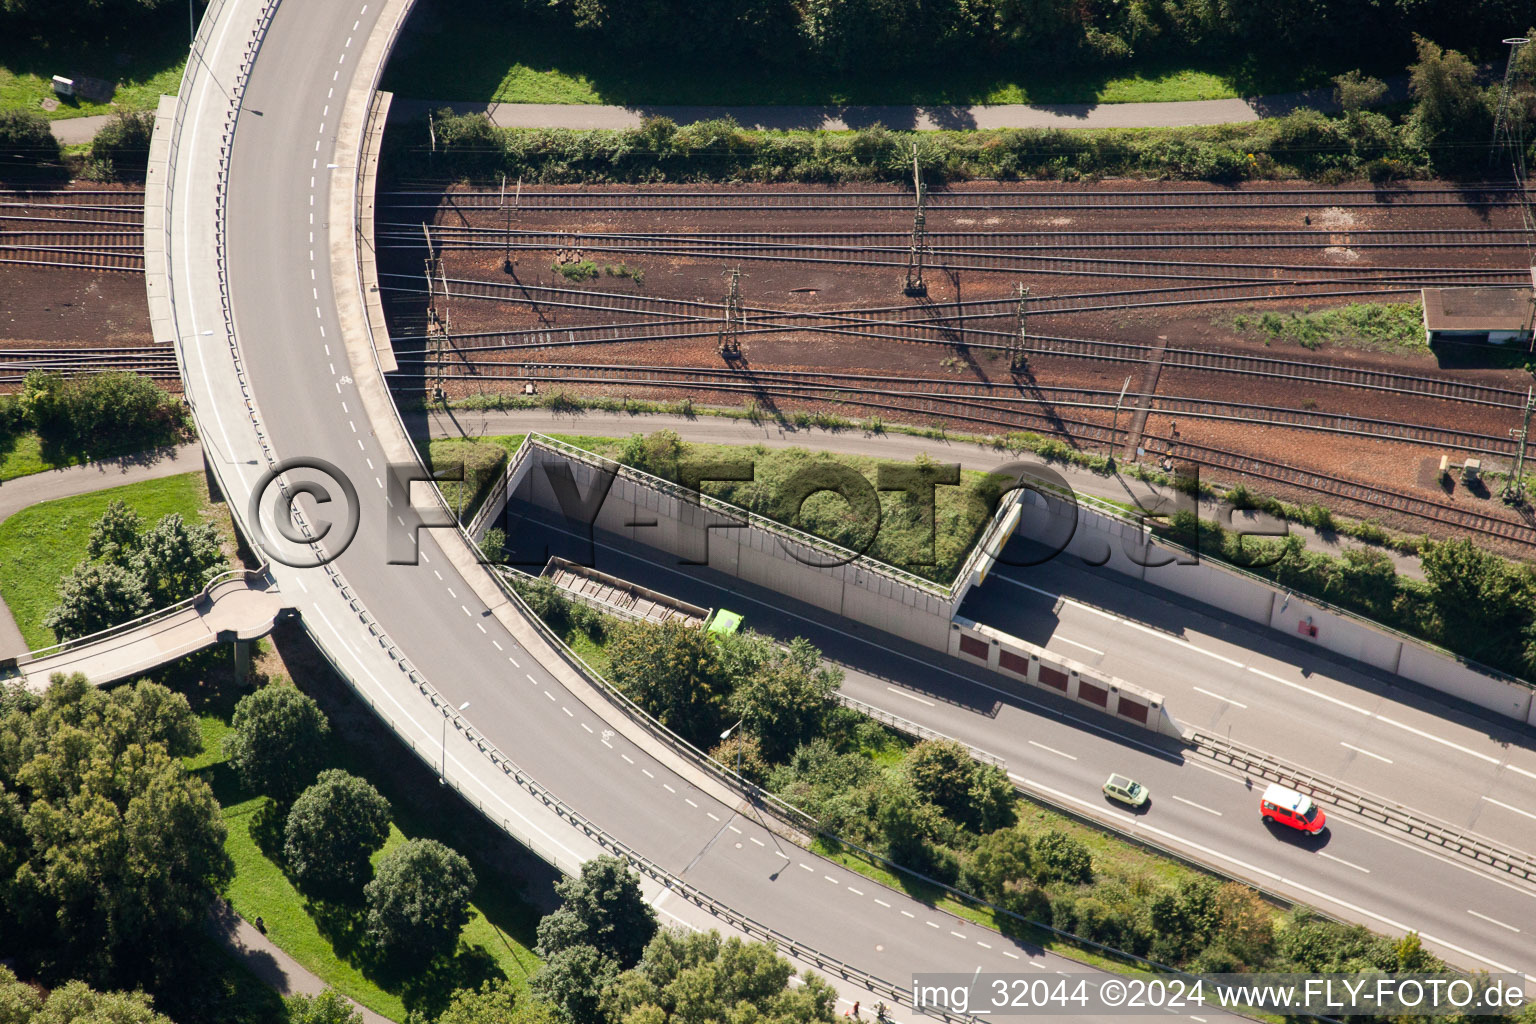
1053	750
1396	926
1357	709
690	803
496	645
668	788
808	868
759	842
1341	860
830	879
1041	964
1010	956
983	945
585	726
882	902
567	711
1501	924
1125	622
1437	739
467	612
1367	753
1200	1019
627	758
1229	700
449	589
529	676
910	696
550	696
480	627
1522	771
513	661
1508	807
711	816
1198	807
646	773
855	891
930	924
908	913
957	935
733	828
1074	643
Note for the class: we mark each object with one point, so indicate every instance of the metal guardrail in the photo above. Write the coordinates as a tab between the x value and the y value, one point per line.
1446	836
909	728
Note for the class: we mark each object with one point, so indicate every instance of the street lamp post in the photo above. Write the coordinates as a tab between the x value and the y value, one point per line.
739	741
442	767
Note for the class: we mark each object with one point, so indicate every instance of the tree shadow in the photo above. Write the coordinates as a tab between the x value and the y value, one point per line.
267	830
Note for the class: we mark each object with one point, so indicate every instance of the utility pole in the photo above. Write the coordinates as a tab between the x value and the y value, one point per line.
1017	359
730	341
1514	487
915	286
436	320
1501	119
1114	425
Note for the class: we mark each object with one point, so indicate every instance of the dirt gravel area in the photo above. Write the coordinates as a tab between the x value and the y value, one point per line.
1386	243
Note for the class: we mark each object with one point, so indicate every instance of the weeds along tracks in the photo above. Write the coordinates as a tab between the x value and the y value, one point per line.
957	199
943	409
982	396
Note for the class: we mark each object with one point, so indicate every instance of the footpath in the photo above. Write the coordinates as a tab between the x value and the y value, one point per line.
838	117
24	491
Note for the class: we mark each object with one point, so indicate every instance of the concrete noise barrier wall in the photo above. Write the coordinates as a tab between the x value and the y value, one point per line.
1020	661
1104	539
655	514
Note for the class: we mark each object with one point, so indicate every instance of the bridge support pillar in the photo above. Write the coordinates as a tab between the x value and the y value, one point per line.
242	661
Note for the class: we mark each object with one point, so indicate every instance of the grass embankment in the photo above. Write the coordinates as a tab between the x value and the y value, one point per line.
900	534
1370	326
142	54
327	938
24	455
41	544
520	58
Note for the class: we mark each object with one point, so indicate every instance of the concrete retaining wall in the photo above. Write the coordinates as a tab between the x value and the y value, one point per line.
1021	662
1102	539
747	550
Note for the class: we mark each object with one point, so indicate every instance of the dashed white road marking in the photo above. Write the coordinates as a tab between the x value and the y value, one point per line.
882	902
668	788
1053	750
1229	700
627	758
1509	807
1341	860
1501	924
690	803
910	696
1074	643
759	842
1198	807
855	891
1367	753
1437	739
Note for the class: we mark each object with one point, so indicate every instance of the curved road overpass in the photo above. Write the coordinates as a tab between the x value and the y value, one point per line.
252	273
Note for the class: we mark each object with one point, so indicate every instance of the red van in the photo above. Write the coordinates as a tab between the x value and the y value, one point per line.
1289	807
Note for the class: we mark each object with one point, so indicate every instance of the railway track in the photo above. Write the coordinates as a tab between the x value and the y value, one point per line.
1078	431
1011	395
1044	346
911	319
960	199
16	363
1008	259
969	242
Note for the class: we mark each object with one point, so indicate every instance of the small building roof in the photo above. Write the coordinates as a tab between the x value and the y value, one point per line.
1477	309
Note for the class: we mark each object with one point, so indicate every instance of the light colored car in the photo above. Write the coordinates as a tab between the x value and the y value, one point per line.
1126	791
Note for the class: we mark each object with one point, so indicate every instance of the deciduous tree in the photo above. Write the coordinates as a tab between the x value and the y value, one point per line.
418	901
332	830
276	742
602	908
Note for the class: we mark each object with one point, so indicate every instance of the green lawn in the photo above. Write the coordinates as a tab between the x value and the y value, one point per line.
141	54
475	53
23	455
326	937
40	545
